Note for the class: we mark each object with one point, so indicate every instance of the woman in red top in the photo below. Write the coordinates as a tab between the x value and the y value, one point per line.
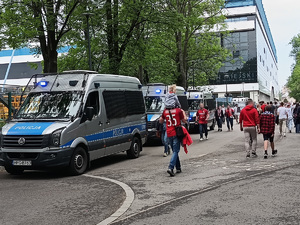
202	117
229	113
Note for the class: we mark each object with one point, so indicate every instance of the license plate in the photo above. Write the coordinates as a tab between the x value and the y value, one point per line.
22	163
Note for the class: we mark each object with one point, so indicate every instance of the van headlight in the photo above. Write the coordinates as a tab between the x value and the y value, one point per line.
56	138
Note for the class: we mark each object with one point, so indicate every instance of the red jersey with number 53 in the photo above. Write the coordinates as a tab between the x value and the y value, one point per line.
177	116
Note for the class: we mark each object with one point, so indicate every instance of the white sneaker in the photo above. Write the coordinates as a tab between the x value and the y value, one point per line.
284	135
201	139
206	138
165	154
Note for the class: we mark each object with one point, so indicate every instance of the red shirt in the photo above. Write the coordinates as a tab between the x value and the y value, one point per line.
229	113
202	115
177	116
267	123
249	116
263	107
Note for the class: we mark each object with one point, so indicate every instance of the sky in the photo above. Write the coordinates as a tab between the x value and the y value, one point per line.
283	17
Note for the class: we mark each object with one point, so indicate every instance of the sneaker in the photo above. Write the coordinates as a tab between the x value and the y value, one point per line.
274	153
178	171
201	139
265	155
254	155
231	128
171	172
206	138
248	156
165	154
284	135
228	130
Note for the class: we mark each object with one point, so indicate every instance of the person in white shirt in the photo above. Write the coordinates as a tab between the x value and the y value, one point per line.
282	114
290	119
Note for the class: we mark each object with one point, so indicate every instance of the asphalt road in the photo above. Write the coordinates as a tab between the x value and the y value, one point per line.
218	186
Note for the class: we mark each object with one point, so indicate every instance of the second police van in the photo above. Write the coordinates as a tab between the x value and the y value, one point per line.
70	119
154	95
195	97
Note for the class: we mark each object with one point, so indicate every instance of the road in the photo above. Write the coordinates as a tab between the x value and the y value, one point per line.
218	186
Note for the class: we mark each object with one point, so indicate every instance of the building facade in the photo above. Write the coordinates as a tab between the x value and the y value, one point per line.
252	71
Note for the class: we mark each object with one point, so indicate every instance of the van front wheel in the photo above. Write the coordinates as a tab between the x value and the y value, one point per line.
79	161
135	148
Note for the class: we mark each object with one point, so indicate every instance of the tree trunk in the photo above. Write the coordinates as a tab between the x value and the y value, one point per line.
182	72
141	74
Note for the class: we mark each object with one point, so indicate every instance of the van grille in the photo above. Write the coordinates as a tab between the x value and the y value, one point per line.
34	141
13	155
151	124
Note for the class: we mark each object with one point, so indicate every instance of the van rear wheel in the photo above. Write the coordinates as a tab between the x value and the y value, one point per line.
14	170
135	148
79	162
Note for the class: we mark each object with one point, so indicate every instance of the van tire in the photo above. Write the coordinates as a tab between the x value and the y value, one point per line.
14	170
79	162
135	148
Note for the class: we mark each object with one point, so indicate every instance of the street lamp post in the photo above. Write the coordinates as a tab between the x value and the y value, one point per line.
226	77
87	15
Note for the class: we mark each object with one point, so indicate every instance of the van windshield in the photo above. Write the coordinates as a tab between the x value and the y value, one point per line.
154	103
50	105
194	104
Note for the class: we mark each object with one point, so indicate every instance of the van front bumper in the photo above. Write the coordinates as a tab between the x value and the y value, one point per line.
39	160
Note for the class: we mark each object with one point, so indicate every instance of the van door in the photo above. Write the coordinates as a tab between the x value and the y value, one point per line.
93	130
117	133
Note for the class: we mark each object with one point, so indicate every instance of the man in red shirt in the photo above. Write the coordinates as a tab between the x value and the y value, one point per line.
173	118
229	113
202	117
249	120
263	105
267	128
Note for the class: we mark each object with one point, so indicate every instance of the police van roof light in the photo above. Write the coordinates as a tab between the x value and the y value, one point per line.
196	96
157	91
43	83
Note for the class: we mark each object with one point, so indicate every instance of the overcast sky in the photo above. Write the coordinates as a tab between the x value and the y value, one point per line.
284	21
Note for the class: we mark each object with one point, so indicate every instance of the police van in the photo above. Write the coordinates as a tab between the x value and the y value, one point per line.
195	97
155	95
69	119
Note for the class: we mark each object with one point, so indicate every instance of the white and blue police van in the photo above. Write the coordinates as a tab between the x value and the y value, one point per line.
69	119
195	97
155	94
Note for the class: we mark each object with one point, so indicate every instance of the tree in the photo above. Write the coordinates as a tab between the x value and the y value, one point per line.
294	80
45	22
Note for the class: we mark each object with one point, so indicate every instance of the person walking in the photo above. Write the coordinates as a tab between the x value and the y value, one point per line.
237	111
249	120
202	117
297	117
290	119
282	116
219	118
267	128
173	118
259	109
164	139
273	108
229	114
223	110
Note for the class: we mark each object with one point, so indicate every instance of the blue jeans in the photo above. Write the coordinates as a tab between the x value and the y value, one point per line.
220	121
175	145
298	128
164	140
229	123
203	128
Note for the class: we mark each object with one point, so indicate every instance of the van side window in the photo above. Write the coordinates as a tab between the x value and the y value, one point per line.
93	101
120	104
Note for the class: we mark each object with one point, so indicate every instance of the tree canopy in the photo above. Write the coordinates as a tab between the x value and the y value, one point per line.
168	41
294	80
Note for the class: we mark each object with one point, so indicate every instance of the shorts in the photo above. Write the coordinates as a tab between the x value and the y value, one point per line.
269	137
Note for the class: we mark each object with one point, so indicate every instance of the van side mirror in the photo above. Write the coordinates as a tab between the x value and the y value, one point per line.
89	113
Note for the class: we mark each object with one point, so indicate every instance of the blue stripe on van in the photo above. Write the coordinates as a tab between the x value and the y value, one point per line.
118	132
29	128
149	117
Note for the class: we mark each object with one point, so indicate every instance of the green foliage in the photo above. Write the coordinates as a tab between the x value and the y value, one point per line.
294	80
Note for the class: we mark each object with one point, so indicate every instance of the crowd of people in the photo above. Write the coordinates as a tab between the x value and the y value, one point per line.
253	119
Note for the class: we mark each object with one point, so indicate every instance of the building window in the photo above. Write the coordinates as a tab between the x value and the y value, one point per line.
263	62
267	69
260	58
236	54
266	83
264	50
270	74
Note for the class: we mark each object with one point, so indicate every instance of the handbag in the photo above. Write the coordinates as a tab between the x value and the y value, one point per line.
179	131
